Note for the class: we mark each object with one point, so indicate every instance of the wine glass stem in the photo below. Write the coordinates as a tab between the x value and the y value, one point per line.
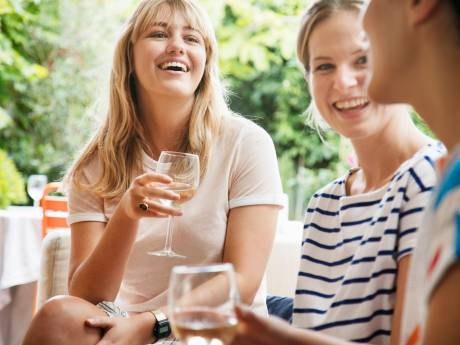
36	203
169	234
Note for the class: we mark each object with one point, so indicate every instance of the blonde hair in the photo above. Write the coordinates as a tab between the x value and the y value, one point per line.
318	11
119	143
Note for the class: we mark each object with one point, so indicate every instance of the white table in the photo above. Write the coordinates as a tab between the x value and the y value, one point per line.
20	246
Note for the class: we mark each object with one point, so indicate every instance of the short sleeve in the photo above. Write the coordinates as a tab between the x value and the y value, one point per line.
85	205
254	177
444	244
416	197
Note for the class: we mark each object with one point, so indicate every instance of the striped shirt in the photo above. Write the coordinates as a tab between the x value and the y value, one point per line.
438	248
351	245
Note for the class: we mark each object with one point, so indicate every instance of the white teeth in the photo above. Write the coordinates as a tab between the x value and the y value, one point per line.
180	65
354	103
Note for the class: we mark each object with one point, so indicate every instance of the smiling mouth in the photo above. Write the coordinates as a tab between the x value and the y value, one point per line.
353	104
174	66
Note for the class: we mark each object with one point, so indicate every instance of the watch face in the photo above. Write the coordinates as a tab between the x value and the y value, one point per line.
162	328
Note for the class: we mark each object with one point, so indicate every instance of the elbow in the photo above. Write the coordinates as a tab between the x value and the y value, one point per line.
247	288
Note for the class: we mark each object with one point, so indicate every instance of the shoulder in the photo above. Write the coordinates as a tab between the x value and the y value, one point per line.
333	190
88	172
420	169
236	126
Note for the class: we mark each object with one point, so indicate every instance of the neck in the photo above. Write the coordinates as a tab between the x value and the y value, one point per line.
437	101
435	76
165	121
380	155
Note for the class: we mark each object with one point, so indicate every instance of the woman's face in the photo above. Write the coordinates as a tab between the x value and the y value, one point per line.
338	77
170	58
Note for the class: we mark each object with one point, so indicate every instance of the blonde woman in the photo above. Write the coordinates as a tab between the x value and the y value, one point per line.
165	95
360	229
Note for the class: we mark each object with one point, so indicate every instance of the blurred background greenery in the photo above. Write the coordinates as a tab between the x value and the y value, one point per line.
55	58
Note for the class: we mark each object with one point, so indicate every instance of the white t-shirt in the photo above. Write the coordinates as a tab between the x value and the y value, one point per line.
437	249
242	171
352	244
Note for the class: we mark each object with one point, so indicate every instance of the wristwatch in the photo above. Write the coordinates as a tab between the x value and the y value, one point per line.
162	328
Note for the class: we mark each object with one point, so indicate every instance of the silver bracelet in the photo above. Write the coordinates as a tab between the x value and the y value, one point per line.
111	309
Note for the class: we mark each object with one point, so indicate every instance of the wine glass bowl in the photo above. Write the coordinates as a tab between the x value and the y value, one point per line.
35	187
201	301
184	170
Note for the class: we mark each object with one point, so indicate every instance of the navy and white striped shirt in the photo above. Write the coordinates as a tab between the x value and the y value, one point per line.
351	246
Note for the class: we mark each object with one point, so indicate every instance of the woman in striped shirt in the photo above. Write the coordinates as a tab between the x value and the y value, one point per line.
360	229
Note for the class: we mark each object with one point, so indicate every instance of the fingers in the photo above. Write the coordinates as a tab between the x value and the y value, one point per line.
100	322
147	178
156	209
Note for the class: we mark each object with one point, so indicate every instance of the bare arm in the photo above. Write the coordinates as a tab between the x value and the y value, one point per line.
249	240
99	251
442	326
401	280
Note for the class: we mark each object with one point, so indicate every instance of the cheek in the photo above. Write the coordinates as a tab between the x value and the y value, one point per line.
320	88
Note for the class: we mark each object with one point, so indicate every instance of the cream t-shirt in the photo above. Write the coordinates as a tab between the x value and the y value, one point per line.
242	171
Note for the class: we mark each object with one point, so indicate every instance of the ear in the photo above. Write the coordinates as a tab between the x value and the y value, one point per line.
421	10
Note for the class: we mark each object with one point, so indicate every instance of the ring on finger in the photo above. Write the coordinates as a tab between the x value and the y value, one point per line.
143	206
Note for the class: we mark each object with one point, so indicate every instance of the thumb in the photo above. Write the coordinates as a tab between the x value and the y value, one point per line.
100	322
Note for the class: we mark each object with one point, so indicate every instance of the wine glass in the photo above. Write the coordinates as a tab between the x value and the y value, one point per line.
184	169
201	302
35	186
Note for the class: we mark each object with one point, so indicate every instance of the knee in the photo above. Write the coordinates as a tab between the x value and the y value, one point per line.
59	309
60	319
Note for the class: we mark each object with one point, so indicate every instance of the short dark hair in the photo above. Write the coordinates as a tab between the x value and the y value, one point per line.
455	4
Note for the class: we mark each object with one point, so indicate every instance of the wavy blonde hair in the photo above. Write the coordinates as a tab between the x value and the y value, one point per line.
119	143
318	12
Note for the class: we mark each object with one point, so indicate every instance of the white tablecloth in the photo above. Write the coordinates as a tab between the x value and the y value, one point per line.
20	245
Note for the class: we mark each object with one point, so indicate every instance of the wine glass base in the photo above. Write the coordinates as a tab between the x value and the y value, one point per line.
168	253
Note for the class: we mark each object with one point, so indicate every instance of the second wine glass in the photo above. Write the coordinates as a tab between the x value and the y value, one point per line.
184	169
201	303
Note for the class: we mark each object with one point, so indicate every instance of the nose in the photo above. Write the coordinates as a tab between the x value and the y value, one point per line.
176	45
346	78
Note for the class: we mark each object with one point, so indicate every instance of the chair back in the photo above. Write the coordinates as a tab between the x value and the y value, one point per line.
55	209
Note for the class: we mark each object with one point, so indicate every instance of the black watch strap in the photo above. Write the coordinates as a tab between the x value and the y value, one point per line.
162	328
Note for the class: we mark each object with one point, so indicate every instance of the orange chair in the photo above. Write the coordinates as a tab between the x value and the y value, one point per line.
54	209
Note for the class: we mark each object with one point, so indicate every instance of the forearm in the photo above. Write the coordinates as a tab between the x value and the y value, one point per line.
99	276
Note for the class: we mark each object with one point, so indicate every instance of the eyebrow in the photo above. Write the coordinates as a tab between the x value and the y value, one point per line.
165	25
360	50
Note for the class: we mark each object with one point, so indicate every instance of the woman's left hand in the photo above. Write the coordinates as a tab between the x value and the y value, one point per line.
121	331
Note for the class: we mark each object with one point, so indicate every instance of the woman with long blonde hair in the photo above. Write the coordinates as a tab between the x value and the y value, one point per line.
165	96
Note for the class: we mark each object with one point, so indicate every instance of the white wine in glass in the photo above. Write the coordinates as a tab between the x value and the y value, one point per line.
35	187
201	301
184	170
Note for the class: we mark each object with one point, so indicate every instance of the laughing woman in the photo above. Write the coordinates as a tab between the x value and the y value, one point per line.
360	229
165	95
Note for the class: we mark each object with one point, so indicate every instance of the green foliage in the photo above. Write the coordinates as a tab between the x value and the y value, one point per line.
11	182
52	56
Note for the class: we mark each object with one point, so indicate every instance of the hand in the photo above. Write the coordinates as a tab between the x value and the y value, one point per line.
257	330
147	188
121	331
